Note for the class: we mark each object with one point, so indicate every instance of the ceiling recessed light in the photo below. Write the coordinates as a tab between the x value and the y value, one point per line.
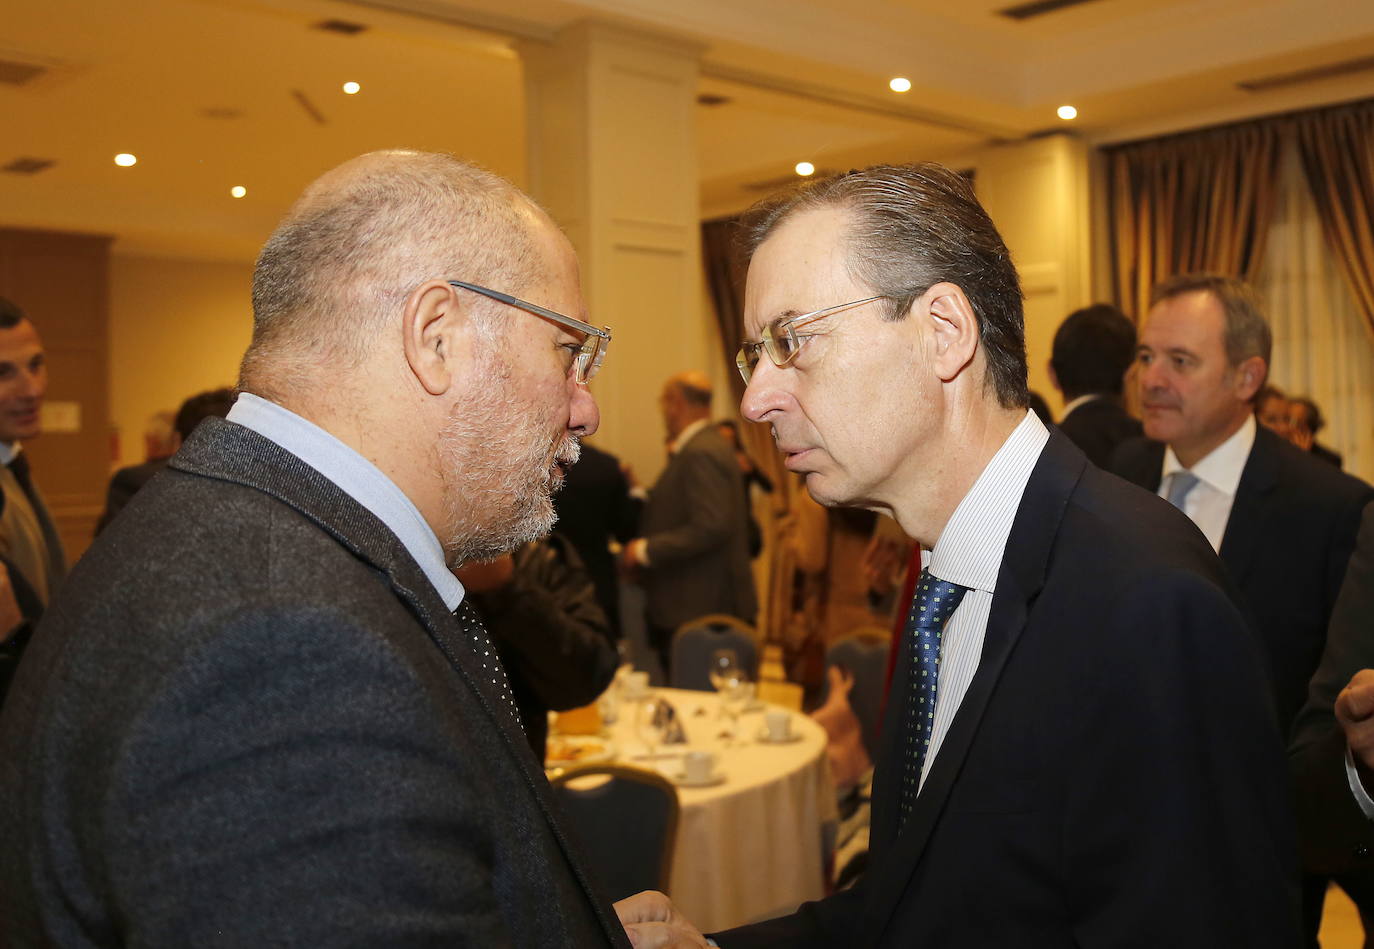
238	191
805	168
351	88
125	160
1067	112
900	85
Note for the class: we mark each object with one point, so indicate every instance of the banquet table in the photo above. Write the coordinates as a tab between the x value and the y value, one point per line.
749	847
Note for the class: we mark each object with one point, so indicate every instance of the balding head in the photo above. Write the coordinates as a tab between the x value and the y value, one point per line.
359	240
686	398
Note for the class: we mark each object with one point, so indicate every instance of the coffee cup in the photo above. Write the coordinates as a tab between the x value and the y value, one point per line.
698	767
636	685
779	725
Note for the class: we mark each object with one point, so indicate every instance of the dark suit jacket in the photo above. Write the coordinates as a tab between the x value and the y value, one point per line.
1290	534
697	529
124	484
1097	427
249	720
1101	785
595	506
1335	836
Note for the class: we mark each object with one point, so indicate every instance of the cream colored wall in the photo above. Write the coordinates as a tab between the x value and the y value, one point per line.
177	327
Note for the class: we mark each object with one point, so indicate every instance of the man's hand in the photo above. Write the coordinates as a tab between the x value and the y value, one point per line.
652	922
1355	711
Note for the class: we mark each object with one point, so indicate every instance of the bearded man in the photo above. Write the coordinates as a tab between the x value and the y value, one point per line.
262	712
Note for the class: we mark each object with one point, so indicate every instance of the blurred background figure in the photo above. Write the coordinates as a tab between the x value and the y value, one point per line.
1305	420
1040	407
595	508
126	482
753	477
1271	411
540	606
1092	350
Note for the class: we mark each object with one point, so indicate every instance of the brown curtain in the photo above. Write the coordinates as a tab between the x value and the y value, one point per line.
725	283
1186	203
1337	148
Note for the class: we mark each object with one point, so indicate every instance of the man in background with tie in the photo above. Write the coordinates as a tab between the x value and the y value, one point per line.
263	711
28	538
1283	522
1078	748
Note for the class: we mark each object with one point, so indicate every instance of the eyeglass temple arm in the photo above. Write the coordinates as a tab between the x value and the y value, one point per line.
516	302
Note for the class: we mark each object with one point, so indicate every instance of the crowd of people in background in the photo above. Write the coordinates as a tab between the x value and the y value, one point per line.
1133	661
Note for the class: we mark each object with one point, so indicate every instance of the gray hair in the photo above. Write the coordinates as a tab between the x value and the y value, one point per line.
915	226
362	237
1246	331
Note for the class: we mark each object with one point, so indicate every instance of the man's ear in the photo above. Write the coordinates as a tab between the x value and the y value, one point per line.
1250	375
430	332
955	329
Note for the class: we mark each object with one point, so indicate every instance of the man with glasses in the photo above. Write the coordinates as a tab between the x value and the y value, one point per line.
1078	748
263	712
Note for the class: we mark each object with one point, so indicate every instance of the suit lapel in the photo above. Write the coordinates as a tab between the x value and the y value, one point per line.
1022	574
230	452
1244	534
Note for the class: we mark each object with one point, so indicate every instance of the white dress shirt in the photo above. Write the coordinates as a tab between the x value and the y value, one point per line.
969	552
1209	502
357	477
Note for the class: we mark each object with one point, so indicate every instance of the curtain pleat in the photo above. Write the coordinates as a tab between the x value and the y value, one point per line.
1337	148
1187	203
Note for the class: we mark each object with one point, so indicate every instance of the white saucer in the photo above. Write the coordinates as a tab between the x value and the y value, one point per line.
763	738
681	780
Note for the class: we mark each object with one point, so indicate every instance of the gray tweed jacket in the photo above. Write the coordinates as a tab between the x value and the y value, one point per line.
248	720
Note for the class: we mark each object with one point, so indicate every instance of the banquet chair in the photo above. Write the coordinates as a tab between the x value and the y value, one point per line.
696	639
625	819
863	653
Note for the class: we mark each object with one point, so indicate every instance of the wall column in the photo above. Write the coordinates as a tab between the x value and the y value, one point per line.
613	157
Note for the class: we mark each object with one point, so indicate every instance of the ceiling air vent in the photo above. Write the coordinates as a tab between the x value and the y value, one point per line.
18	74
220	112
28	166
711	99
1315	73
342	27
1028	11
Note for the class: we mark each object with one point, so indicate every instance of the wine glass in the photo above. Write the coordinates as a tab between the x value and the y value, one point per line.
651	724
730	681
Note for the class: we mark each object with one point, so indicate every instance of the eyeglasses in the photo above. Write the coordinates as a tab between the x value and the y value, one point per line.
781	339
589	356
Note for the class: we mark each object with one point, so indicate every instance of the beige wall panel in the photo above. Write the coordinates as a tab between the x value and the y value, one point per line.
177	327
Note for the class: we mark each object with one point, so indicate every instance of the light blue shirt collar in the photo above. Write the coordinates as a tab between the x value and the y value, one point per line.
357	477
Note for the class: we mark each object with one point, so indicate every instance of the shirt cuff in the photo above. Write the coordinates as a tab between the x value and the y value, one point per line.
639	550
1362	797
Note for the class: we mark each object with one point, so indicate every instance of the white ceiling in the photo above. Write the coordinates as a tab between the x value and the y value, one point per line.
805	79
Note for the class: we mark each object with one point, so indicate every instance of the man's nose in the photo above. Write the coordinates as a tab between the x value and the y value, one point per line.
765	392
583	416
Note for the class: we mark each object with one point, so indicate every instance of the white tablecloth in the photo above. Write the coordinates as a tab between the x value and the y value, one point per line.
750	847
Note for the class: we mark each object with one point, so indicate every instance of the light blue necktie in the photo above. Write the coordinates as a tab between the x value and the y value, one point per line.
931	607
1180	483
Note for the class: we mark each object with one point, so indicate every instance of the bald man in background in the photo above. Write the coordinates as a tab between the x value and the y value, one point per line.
693	557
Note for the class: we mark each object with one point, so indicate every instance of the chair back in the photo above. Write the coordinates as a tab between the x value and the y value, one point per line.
864	653
696	639
626	824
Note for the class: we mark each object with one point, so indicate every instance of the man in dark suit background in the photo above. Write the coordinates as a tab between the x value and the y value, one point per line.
127	481
1092	350
253	717
1062	762
693	555
1335	812
594	508
1283	522
1305	421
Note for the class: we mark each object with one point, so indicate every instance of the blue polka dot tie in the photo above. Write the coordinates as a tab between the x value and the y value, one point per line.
934	602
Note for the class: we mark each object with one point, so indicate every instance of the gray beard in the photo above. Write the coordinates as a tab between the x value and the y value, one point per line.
498	492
